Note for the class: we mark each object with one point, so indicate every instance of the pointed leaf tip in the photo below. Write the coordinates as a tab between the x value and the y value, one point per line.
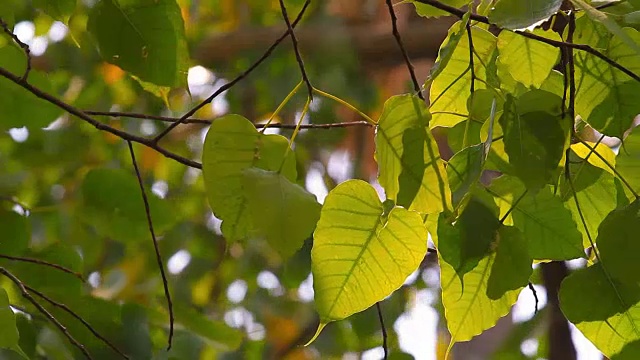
315	336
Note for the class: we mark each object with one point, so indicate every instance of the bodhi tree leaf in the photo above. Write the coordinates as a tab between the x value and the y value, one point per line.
605	96
9	336
15	233
468	310
18	106
590	153
512	14
456	32
588	294
602	308
534	139
464	244
547	226
360	254
463	170
232	145
528	61
595	191
628	161
113	205
430	11
281	211
451	89
511	268
411	171
618	242
143	37
631	351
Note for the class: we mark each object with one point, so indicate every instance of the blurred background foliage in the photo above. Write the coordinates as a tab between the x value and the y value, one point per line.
79	204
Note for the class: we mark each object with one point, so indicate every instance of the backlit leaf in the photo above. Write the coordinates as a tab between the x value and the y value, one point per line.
590	153
430	11
628	161
410	168
526	60
232	145
8	332
57	9
513	14
143	37
360	255
546	225
451	89
618	242
281	211
511	268
464	169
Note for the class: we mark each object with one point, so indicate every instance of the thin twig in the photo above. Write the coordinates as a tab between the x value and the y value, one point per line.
44	263
296	50
210	121
471	64
384	332
405	55
77	317
238	78
25	48
535	296
97	124
25	293
147	211
559	44
571	68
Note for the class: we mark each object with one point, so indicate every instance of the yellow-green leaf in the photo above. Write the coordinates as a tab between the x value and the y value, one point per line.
360	254
232	145
411	171
588	152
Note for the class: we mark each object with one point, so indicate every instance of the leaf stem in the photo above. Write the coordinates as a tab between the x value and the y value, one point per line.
344	103
282	104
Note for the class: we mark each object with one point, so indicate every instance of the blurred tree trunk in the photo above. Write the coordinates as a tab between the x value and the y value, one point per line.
560	343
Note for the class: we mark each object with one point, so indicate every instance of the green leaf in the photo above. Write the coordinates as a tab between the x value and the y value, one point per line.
135	332
464	170
57	9
618	242
596	194
143	37
606	97
512	14
19	107
470	240
546	225
451	89
232	145
410	168
511	268
528	61
628	160
9	336
590	153
430	11
15	233
456	32
609	23
468	310
359	256
534	139
113	205
281	211
589	294
631	351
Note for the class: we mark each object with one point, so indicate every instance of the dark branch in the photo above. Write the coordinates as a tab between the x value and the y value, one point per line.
471	64
25	293
535	296
210	121
66	309
22	45
98	125
147	211
43	263
403	50
238	78
559	44
296	50
384	332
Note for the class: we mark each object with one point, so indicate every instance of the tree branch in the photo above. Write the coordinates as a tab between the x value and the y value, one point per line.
385	348
43	263
147	211
294	41
98	125
22	45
